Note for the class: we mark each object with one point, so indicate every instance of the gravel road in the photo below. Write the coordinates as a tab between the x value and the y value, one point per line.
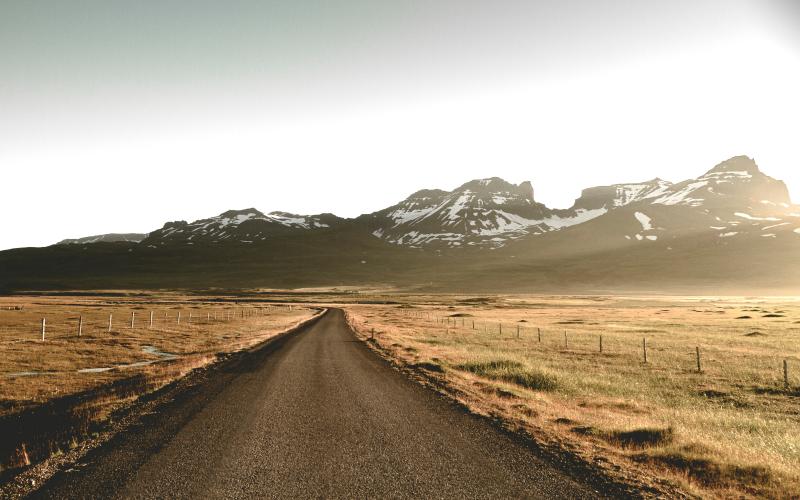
313	414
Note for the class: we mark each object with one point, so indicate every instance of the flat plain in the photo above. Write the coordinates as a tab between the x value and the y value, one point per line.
568	373
100	352
535	362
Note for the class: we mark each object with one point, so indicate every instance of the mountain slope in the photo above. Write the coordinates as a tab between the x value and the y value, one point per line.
243	226
732	228
482	212
105	238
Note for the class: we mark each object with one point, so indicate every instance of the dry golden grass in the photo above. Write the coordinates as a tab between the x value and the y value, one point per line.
33	371
730	429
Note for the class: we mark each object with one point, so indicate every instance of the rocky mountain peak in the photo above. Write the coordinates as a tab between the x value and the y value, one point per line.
246	213
737	164
483	188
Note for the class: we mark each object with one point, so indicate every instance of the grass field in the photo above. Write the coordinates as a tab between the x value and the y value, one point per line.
81	377
730	429
533	362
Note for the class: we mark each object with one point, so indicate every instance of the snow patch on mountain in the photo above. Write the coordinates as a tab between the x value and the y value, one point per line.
682	196
644	220
750	217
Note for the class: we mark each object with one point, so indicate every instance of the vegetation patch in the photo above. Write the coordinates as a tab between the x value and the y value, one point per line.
513	372
709	472
755	334
477	300
744	317
646	437
429	366
461	315
773	315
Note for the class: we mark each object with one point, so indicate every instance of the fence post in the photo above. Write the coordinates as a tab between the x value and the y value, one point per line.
500	326
473	324
601	343
644	348
133	318
179	317
109	322
151	320
697	352
44	327
372	334
80	325
786	373
565	340
539	333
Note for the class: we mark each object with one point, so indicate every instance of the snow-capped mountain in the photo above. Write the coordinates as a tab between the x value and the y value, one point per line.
732	199
731	228
492	212
482	212
240	226
106	238
619	195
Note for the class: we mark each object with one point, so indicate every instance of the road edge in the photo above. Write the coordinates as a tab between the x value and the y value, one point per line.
124	418
558	457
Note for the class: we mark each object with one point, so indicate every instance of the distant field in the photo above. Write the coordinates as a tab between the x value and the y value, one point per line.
86	376
729	429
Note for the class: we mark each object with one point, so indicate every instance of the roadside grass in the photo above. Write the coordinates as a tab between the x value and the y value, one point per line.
511	371
55	392
729	429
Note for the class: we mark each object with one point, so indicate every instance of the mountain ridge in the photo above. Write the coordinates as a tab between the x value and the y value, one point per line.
717	228
488	212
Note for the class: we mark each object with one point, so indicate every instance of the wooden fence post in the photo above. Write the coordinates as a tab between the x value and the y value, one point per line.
539	334
179	317
697	353
133	318
44	327
644	348
565	340
109	322
151	320
500	326
601	343
786	373
80	325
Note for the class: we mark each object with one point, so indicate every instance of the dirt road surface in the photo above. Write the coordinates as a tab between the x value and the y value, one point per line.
313	414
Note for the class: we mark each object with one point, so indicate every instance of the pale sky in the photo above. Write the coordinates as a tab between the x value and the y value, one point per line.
117	116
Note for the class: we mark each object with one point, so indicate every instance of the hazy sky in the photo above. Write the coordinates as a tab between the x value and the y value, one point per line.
116	116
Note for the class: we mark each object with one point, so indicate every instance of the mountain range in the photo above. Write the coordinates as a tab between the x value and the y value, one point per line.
731	229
